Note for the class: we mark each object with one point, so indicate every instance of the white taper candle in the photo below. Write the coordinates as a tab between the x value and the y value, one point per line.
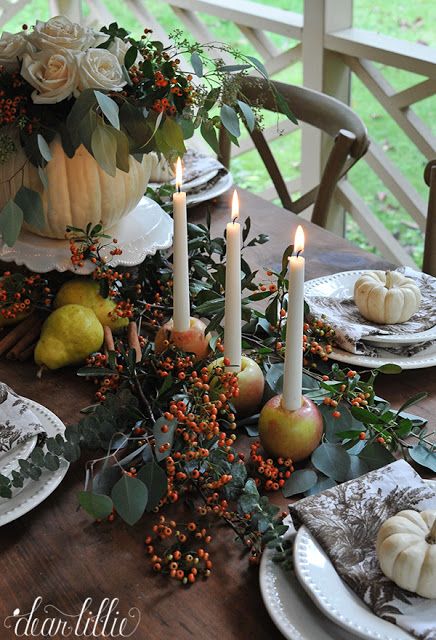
293	373
232	311
181	303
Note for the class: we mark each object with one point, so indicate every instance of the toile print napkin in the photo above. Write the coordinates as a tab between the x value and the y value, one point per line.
17	422
195	165
352	328
345	520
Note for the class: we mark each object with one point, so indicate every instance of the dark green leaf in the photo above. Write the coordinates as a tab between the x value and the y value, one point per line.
98	506
285	108
208	132
129	496
130	57
299	482
211	98
389	368
258	65
376	455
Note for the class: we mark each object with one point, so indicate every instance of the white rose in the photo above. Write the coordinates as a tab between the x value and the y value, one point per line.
61	33
99	69
54	75
12	46
119	48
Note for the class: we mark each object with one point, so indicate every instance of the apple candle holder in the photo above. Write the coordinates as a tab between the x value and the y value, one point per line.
251	384
290	434
194	340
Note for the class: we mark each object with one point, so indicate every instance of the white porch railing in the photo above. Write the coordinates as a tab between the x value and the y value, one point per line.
330	49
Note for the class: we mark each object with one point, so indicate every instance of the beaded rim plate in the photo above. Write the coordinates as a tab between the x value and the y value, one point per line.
342	285
142	232
35	492
334	598
291	609
9	459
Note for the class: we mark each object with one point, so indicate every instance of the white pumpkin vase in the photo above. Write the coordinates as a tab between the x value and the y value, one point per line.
79	191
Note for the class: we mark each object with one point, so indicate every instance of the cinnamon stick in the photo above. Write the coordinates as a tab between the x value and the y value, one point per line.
108	339
27	353
133	340
29	338
16	333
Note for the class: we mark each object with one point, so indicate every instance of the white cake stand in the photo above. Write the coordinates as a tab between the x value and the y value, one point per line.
141	233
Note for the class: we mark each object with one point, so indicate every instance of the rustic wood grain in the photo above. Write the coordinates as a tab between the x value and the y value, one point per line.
57	553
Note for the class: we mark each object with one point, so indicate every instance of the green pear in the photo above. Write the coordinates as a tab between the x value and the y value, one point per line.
87	293
68	336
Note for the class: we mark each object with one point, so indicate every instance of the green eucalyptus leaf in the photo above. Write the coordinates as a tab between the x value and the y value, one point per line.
156	481
211	98
109	108
274	377
129	496
248	114
299	482
30	203
323	484
11	221
413	400
44	148
208	132
389	368
104	149
258	65
376	455
332	460
230	120
423	456
197	64
98	506
231	68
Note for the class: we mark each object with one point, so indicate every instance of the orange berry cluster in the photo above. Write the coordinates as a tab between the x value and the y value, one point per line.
178	550
353	395
14	98
18	293
177	365
269	475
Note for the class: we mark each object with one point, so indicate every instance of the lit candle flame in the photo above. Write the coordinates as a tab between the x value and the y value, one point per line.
178	174
235	206
299	240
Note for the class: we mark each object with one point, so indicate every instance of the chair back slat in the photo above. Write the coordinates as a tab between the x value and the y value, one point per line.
429	263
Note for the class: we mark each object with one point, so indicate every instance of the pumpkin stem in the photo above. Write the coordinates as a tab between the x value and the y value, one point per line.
431	538
389	280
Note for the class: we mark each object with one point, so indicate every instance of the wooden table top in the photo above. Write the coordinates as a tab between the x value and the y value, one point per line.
58	553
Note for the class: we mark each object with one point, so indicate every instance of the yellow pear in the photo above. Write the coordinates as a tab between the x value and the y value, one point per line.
68	336
87	293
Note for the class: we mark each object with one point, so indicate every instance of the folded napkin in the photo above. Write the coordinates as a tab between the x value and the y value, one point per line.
352	328
195	165
345	521
17	422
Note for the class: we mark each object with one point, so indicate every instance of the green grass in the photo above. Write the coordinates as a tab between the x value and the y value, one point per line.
409	21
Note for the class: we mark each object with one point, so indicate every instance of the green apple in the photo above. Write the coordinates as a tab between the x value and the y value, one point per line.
291	434
193	340
251	384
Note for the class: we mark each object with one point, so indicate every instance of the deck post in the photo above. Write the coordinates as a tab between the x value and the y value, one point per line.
324	71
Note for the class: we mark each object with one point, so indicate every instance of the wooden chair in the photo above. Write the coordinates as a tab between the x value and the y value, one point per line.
321	111
429	263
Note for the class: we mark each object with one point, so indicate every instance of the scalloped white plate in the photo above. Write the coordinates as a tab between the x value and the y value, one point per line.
289	606
145	230
333	597
9	459
33	493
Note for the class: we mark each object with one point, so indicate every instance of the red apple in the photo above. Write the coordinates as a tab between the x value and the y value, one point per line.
193	340
251	384
291	434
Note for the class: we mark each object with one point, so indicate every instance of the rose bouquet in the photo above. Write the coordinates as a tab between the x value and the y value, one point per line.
82	110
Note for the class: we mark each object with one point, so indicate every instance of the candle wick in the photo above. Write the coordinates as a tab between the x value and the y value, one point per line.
235	219
178	188
298	252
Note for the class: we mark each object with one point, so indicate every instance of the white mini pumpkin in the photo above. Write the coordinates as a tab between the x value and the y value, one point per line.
386	297
78	192
406	550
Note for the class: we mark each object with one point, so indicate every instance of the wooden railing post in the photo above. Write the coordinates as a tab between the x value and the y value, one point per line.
323	71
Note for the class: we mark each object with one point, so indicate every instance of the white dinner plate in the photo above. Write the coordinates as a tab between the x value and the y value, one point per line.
289	606
421	360
192	184
341	285
9	459
211	191
333	597
34	492
143	231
